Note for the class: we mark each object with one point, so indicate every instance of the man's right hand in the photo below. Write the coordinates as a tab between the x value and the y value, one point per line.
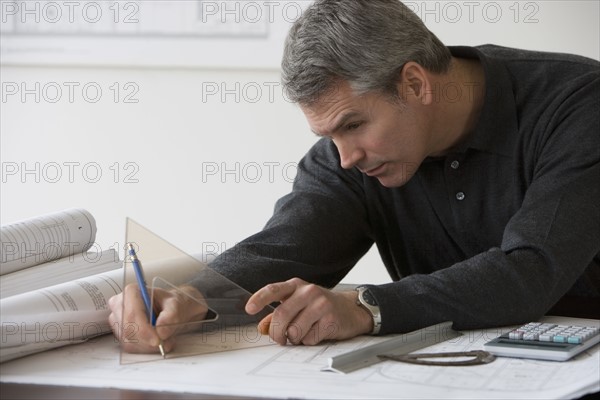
129	318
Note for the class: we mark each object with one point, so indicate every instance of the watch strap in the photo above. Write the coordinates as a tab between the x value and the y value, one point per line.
366	300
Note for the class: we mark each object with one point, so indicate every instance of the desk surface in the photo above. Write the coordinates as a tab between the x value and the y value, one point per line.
15	391
38	388
293	371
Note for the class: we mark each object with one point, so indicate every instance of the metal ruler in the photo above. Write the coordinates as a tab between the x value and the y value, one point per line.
399	345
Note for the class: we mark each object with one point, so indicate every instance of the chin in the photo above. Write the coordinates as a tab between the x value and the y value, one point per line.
390	182
396	176
394	180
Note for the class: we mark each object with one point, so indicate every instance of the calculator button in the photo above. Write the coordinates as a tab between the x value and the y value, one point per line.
574	340
559	339
521	341
516	335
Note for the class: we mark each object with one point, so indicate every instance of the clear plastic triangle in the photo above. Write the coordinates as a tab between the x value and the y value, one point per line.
210	317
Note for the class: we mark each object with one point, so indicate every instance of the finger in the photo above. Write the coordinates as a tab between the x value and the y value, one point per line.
174	314
131	343
166	312
264	324
115	303
164	304
319	332
302	325
136	331
192	304
178	308
271	293
295	318
283	326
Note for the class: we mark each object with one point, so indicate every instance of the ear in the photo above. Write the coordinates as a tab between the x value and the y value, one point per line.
414	83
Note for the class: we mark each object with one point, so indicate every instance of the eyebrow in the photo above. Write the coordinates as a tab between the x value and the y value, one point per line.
341	122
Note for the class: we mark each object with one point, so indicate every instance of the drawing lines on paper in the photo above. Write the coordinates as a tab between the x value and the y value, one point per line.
504	374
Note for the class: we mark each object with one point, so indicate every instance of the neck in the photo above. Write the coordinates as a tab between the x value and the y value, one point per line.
460	102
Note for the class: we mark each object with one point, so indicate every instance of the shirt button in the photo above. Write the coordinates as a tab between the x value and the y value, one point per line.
460	196
454	165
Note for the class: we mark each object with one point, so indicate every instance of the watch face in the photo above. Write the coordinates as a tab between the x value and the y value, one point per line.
368	298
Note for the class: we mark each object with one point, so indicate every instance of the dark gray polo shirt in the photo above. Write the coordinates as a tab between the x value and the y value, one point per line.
493	233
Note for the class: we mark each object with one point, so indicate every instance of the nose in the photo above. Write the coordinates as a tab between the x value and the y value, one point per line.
350	154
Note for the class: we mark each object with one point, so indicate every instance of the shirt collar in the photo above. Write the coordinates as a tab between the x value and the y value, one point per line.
497	127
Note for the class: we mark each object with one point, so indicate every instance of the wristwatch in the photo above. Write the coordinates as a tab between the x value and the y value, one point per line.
367	301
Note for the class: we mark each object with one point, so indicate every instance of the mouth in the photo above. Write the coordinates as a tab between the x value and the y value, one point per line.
374	171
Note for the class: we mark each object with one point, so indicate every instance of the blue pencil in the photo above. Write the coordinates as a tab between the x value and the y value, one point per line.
139	276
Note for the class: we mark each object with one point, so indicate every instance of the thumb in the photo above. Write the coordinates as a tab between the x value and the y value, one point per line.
264	324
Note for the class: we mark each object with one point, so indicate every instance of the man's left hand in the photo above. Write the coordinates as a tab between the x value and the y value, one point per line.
308	313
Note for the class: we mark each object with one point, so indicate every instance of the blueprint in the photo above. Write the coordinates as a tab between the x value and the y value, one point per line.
295	371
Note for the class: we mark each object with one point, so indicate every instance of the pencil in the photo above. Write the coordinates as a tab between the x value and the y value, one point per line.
139	276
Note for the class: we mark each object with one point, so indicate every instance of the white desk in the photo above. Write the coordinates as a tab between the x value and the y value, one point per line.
294	371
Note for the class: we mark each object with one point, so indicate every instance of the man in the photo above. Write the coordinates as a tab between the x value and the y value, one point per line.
476	171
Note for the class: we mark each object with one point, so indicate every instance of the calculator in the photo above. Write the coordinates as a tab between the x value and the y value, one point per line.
545	341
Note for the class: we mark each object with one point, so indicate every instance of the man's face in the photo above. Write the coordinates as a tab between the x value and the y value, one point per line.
383	139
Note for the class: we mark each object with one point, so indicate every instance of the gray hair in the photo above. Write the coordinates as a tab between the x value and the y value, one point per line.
364	42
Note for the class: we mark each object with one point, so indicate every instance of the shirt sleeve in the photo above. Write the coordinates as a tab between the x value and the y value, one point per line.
546	246
317	232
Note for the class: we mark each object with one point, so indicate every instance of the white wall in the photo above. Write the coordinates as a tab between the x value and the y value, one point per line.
172	133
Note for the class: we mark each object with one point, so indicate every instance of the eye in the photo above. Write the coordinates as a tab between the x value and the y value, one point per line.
352	126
